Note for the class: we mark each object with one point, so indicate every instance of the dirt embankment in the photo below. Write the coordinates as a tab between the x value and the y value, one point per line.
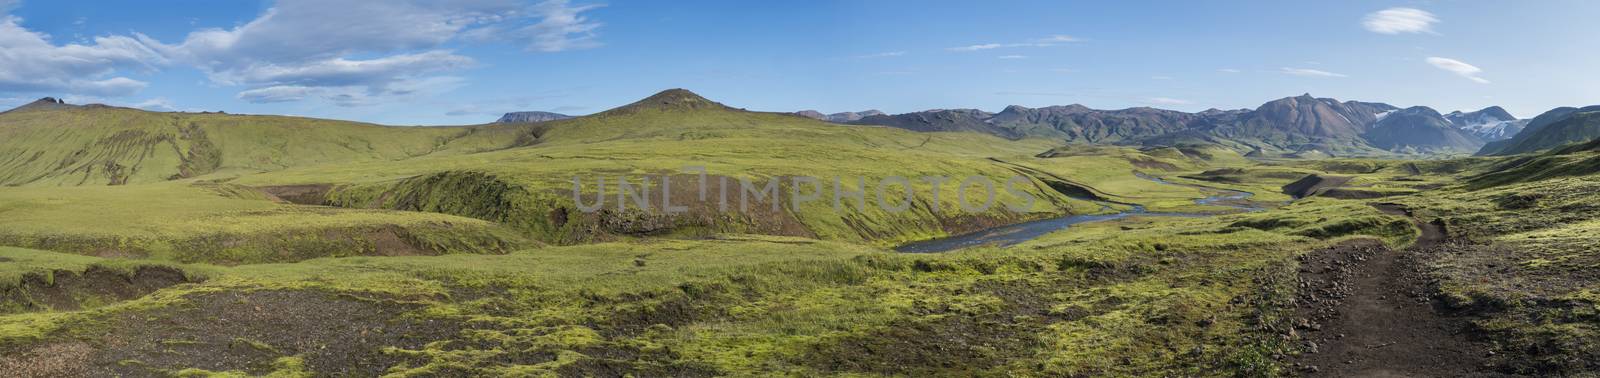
1367	310
65	290
1313	184
314	194
237	331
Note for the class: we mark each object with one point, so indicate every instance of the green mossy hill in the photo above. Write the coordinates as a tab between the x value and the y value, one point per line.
1572	161
531	188
66	145
226	224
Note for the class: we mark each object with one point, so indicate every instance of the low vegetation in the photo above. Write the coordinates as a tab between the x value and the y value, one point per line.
462	251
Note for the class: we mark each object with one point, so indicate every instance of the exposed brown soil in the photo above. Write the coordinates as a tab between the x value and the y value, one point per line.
314	194
236	331
65	290
1312	184
1353	194
1367	310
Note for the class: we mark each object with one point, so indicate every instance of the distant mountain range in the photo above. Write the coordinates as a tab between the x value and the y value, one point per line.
1555	128
843	117
526	117
1490	124
1299	126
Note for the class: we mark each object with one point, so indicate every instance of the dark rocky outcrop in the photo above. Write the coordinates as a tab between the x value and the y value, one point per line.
1313	184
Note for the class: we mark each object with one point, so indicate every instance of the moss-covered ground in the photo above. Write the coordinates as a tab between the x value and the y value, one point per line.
460	251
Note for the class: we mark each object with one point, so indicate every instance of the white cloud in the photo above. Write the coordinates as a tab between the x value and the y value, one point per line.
1041	42
985	46
1168	101
561	27
342	72
886	54
353	96
30	63
1012	57
300	49
158	104
1459	68
1059	38
281	93
1309	72
1399	20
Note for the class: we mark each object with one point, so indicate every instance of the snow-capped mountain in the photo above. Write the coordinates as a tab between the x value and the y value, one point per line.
1491	124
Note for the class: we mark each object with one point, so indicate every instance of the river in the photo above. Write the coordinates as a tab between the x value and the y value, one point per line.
1009	235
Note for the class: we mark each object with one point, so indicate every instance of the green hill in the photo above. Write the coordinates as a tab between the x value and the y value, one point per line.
521	175
54	144
531	187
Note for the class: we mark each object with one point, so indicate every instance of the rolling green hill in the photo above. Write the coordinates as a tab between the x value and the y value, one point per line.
661	135
64	145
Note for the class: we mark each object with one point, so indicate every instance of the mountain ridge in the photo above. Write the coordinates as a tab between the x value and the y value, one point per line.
1556	128
531	116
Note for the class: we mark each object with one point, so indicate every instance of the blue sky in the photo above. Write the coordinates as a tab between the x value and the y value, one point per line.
424	62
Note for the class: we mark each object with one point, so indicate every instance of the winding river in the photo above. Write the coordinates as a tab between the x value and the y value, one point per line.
1005	236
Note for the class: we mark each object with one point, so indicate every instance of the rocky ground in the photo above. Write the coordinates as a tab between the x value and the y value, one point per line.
1367	310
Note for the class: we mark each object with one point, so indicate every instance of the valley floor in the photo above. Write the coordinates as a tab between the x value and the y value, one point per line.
1465	280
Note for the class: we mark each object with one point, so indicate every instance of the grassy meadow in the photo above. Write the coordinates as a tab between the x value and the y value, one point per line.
275	246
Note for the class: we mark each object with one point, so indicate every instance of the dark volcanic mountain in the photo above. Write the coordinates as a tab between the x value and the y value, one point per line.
1552	129
1291	126
1490	124
942	120
1420	129
1304	119
1078	123
526	117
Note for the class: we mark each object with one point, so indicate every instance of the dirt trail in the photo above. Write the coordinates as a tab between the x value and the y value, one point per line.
1366	311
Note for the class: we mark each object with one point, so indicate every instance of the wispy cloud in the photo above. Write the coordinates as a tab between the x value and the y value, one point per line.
561	27
886	54
1228	70
157	104
1040	42
1059	38
1012	57
302	49
1399	20
1309	72
1032	93
1459	68
31	63
986	46
1167	101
